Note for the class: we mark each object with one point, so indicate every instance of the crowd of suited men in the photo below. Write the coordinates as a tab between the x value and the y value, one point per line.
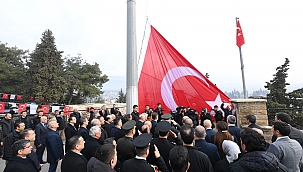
184	140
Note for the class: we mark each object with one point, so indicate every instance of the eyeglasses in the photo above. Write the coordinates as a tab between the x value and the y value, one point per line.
30	146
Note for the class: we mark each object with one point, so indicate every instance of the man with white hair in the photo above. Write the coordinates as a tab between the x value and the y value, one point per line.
209	131
233	129
96	122
92	142
54	146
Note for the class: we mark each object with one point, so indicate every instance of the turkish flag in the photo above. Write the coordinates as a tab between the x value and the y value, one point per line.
2	107
66	110
45	109
22	107
5	96
240	37
19	97
168	78
31	98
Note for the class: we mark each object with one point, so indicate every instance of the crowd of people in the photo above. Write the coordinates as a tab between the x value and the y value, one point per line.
183	140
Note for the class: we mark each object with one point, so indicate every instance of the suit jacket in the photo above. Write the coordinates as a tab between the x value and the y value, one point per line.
209	134
83	132
107	127
41	132
294	134
90	147
54	146
27	121
288	151
61	123
21	165
198	160
69	132
139	165
8	142
154	125
254	126
103	112
235	131
209	149
73	162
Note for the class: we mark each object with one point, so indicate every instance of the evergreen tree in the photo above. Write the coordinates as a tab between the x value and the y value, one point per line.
44	69
277	96
121	98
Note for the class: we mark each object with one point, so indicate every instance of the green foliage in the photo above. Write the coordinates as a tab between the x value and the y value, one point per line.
12	69
83	79
44	68
121	98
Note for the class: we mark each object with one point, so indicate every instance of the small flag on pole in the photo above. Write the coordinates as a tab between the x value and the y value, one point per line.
240	37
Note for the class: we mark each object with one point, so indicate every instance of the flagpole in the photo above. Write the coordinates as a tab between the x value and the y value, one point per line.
242	68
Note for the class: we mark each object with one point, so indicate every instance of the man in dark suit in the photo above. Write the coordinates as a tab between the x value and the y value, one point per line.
36	120
294	133
41	131
26	120
103	111
163	145
125	147
60	120
92	143
70	131
83	130
139	163
251	121
209	131
159	110
54	146
114	110
77	115
107	125
154	124
209	149
233	129
74	161
135	113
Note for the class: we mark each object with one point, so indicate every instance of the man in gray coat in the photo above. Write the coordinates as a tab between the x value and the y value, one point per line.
287	150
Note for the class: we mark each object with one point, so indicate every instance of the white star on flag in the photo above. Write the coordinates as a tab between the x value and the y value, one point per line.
217	102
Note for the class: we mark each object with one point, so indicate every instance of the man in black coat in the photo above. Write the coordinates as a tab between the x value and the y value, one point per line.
107	125
251	121
26	120
135	113
11	138
198	160
125	147
139	163
74	161
103	111
77	115
7	125
159	110
19	160
54	146
61	122
36	120
92	142
41	131
233	129
70	131
154	124
83	130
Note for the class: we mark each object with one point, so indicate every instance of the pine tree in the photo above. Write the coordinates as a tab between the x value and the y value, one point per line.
45	66
121	98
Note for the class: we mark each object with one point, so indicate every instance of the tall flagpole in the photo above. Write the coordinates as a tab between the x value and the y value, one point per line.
131	65
242	67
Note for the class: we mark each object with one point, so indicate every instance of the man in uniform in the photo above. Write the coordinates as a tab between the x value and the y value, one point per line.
175	127
159	110
139	163
125	147
163	145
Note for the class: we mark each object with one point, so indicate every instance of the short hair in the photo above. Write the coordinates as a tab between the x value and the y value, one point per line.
188	121
24	133
73	141
109	140
158	104
91	108
207	123
71	118
283	127
19	145
252	140
231	119
135	106
94	122
116	120
154	115
82	120
24	111
105	153
187	134
107	118
93	130
251	118
141	151
200	131
146	105
179	158
56	111
17	124
283	117
7	114
52	113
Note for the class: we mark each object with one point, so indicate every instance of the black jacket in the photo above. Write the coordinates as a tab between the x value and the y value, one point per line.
7	126
54	146
83	132
8	142
21	165
198	161
107	127
90	147
94	165
73	162
77	116
254	126
255	161
141	165
60	122
27	121
36	121
41	132
69	132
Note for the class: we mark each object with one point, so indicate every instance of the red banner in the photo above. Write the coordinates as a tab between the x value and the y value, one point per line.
45	109
22	107
5	96
2	107
66	110
31	98
19	97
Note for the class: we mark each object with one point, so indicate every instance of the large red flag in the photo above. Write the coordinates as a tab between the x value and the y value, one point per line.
22	107
2	107
45	109
168	78
240	37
